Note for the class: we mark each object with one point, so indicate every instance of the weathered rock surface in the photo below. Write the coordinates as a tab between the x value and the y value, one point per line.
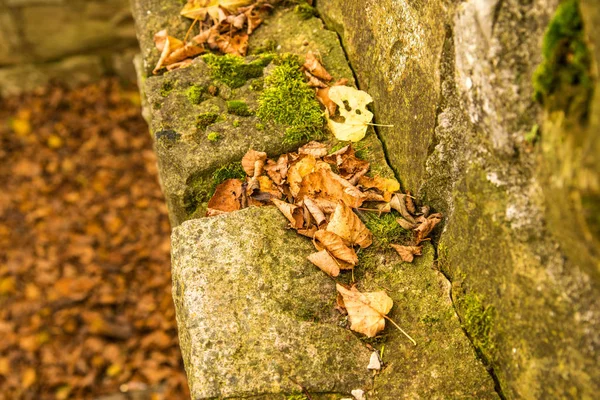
71	42
256	318
520	243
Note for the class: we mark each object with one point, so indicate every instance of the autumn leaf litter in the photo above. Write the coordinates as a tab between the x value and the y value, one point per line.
317	191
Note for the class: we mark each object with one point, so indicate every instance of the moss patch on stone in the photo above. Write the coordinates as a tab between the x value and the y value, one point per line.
238	107
385	228
478	321
288	100
206	119
563	80
233	70
213	136
166	88
195	93
305	11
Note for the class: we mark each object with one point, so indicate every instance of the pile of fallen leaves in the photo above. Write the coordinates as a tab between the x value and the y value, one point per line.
224	26
317	192
85	285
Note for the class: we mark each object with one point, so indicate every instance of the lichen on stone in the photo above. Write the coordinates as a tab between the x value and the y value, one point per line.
288	100
238	107
305	10
233	70
565	70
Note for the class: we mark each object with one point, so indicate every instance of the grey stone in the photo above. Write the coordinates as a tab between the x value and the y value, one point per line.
255	317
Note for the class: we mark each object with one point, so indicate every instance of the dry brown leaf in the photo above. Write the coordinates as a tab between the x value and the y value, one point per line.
313	81
180	64
327	185
314	148
409	226
227	198
277	171
166	45
336	247
291	212
298	170
407	253
425	228
314	66
346	224
182	53
236	44
366	310
325	262
399	204
323	97
353	168
410	204
253	162
308	232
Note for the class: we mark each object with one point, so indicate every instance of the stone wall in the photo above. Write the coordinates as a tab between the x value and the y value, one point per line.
518	181
72	41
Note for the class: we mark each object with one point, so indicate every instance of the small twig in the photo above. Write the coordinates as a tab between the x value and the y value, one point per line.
401	330
190	30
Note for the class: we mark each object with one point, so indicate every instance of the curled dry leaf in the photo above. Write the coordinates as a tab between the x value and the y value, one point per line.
353	168
407	253
227	198
323	97
166	45
314	148
198	9
253	162
352	105
366	310
315	211
425	228
291	212
409	226
399	204
346	224
314	66
336	247
325	262
410	204
277	171
237	44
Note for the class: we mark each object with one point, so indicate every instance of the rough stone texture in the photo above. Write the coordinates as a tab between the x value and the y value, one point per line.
54	39
521	234
255	317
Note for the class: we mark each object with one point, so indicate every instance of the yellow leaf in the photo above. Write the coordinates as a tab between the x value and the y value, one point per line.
29	377
336	247
325	262
366	310
352	105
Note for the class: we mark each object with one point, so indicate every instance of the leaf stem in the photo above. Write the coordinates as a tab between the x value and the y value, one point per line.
401	330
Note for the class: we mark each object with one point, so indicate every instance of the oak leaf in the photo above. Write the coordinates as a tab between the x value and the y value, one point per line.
366	311
407	253
352	106
346	224
335	246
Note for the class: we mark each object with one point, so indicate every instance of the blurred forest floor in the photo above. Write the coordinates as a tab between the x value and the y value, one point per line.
85	285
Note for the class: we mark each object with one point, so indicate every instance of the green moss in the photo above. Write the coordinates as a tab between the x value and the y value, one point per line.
257	85
238	107
361	149
195	93
563	80
230	171
478	321
305	11
267	46
533	135
206	119
259	126
233	70
166	88
288	100
385	228
213	136
236	123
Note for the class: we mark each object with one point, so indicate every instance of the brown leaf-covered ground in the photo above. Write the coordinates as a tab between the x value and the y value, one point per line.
85	292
